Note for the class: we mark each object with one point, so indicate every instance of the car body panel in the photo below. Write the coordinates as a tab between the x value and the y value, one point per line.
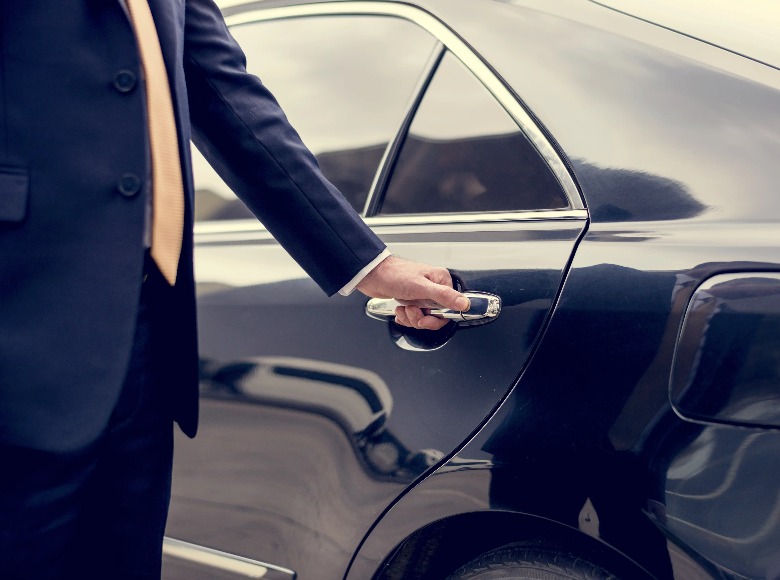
560	421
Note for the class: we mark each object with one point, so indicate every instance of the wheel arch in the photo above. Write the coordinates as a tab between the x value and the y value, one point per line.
439	548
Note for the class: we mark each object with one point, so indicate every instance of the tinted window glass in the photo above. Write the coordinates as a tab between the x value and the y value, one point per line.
464	153
343	81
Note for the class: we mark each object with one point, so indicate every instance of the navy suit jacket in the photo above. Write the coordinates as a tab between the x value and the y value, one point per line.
73	167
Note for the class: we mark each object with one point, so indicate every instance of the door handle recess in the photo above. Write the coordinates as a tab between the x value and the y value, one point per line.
484	308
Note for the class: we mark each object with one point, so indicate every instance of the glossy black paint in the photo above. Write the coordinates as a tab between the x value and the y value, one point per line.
298	439
327	449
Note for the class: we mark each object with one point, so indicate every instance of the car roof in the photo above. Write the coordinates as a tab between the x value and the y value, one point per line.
747	27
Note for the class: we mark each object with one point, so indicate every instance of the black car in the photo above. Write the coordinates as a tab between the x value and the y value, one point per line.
604	178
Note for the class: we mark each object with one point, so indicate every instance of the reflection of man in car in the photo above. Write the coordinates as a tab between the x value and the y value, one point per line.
354	398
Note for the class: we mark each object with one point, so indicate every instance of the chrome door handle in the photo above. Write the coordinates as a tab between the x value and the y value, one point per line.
484	308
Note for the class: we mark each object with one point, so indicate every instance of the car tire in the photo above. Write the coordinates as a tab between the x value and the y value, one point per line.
526	563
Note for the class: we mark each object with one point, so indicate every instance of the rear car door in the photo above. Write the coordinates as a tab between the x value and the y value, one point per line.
315	417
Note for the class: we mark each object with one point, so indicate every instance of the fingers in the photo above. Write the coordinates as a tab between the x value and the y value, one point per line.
440	289
432	323
402	316
414	317
448	297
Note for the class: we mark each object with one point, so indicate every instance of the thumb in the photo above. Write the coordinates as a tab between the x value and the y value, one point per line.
449	297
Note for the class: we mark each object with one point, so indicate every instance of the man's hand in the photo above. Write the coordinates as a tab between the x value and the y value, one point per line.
418	286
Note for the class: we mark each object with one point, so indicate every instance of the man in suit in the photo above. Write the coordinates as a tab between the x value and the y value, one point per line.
97	328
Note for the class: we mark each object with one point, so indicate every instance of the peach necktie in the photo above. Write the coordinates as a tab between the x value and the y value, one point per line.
167	188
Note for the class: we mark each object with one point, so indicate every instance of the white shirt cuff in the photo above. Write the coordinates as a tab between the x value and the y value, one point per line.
352	284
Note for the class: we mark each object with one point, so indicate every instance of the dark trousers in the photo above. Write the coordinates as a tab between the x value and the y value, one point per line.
98	512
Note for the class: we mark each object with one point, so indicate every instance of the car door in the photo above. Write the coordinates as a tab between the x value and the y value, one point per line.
315	417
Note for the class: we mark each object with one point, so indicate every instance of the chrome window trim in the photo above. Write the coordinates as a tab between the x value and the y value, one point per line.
252	231
393	149
477	218
454	44
222	560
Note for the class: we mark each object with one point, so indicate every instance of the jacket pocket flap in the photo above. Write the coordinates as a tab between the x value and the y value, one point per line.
14	189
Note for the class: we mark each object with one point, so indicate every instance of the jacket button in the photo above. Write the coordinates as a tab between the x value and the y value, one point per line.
125	81
129	185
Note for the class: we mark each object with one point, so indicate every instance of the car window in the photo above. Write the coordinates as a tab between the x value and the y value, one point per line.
464	153
343	81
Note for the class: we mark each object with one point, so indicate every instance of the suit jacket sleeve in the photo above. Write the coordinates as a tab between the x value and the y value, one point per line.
241	130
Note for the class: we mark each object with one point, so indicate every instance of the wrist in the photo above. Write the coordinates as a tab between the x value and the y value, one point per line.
359	278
